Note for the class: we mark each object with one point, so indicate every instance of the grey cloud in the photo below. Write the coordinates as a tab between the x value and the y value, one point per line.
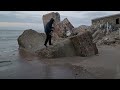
78	21
77	18
33	26
12	28
14	16
95	14
85	17
78	11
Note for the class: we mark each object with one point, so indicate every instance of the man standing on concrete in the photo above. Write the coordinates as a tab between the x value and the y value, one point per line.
48	31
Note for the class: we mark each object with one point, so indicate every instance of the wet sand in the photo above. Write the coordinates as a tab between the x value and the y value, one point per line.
105	65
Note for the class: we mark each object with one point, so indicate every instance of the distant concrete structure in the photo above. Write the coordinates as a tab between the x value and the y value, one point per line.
111	22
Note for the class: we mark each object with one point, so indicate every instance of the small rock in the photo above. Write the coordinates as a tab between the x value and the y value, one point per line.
29	60
4	61
97	54
76	74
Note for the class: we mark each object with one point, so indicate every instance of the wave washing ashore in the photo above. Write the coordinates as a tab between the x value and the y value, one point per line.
15	65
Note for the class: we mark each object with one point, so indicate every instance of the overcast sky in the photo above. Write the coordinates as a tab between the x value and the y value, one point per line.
21	20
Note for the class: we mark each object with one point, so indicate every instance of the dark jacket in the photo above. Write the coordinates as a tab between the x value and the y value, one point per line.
48	27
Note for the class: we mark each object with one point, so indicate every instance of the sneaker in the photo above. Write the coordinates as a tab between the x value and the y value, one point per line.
50	44
45	45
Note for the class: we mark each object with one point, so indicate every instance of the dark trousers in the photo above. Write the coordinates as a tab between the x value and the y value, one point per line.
48	38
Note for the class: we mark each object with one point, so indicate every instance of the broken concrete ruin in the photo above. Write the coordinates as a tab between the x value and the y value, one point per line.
63	48
111	39
80	29
73	45
79	45
84	45
62	27
111	22
107	28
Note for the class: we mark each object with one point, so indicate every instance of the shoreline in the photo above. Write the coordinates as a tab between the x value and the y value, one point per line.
105	65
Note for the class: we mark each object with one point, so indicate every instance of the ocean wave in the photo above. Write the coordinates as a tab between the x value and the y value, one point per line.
9	38
10	50
10	34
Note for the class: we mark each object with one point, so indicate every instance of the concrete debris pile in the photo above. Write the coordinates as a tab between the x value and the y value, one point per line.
111	39
62	29
79	45
102	37
66	41
106	30
81	29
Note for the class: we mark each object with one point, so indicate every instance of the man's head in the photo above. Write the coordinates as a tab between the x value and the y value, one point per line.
52	20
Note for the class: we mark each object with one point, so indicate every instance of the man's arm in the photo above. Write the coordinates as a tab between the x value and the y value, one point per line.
52	28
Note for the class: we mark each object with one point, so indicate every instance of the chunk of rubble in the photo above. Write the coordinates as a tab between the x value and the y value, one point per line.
79	45
107	40
64	28
61	49
82	29
84	45
46	18
110	39
31	40
98	35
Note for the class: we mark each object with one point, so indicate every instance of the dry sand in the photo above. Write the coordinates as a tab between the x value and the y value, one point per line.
105	65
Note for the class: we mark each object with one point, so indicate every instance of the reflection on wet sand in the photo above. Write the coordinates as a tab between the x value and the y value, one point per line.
28	66
51	70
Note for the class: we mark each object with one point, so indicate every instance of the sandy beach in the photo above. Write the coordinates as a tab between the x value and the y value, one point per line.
85	45
22	65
